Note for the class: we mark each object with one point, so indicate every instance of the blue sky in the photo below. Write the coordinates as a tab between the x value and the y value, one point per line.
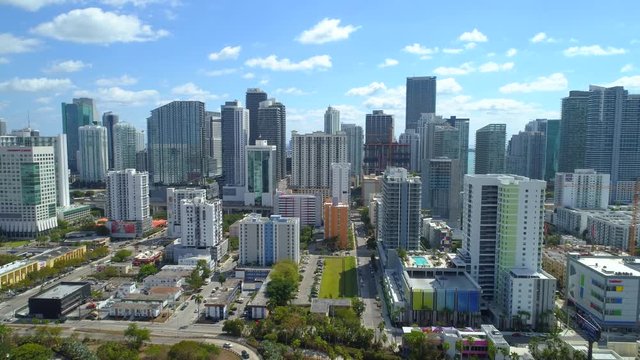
496	61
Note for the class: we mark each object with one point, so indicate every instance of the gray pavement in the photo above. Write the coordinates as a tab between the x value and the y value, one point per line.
304	290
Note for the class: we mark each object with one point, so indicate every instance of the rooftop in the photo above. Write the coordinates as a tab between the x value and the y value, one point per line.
222	295
135	305
452	280
14	265
322	306
54	253
61	290
612	265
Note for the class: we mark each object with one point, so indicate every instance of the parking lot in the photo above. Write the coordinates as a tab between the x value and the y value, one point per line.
308	267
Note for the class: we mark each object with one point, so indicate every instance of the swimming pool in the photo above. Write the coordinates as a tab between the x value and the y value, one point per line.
420	260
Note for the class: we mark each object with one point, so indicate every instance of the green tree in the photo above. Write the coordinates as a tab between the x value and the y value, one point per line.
234	243
136	336
422	346
7	258
121	255
233	327
192	350
402	254
372	243
195	280
198	299
31	351
116	351
102	230
221	278
159	215
146	270
204	268
284	283
358	306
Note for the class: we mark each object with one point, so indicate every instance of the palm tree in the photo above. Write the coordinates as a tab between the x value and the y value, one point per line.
198	299
515	356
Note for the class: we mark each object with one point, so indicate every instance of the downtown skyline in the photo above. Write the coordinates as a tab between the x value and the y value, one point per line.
323	54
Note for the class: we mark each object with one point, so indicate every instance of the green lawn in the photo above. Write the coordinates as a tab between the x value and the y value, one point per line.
339	279
12	244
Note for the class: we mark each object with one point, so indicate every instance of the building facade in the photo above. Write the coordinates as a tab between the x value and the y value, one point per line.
312	157
272	127
201	222
265	241
109	120
260	177
331	121
573	131
336	222
125	146
235	137
79	112
306	207
490	149
400	213
420	99
93	160
412	138
526	154
441	189
340	184
355	148
582	189
127	205
174	214
253	98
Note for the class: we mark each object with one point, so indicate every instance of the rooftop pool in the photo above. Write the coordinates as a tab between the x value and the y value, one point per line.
420	261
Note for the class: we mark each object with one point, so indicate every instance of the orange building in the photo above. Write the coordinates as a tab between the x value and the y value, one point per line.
336	222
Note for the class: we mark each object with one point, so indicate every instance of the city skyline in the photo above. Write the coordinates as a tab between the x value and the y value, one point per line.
484	73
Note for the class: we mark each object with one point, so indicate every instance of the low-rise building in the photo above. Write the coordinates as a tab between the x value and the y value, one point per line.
73	213
16	271
327	307
170	293
166	278
87	238
120	268
147	257
125	289
63	253
135	310
59	300
257	307
217	306
336	222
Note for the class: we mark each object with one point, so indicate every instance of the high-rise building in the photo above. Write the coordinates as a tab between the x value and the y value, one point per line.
260	177
490	149
306	207
526	154
28	180
109	120
93	158
331	120
265	241
503	218
202	222
379	128
79	113
340	189
380	151
336	222
175	145
254	97
127	205
140	140
174	215
552	136
441	189
412	138
235	137
272	127
400	214
312	157
573	131
421	98
213	143
125	147
355	148
462	124
3	127
582	189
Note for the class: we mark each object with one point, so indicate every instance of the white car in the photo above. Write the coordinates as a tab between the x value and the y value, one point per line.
227	345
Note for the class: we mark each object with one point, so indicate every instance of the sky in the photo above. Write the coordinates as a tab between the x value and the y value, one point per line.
495	61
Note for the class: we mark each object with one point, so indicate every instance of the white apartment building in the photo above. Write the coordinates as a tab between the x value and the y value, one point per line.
93	156
127	205
340	176
202	222
27	190
260	177
265	241
399	217
582	189
312	156
174	199
308	208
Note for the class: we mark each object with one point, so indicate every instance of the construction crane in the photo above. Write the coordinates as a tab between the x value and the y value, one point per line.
633	226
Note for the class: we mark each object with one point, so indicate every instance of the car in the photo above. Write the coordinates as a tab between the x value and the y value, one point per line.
516	334
244	354
227	345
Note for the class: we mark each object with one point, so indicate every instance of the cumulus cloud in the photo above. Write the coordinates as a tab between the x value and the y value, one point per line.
227	52
95	26
448	86
392	99
627	68
67	66
512	52
542	37
271	62
138	3
35	84
553	82
629	82
418	49
220	72
593	50
10	44
495	67
249	75
30	5
388	63
117	95
463	69
473	36
327	30
366	90
452	50
123	80
191	91
291	91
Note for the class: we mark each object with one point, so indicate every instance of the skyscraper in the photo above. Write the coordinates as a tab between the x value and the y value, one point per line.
490	149
92	158
127	205
380	151
355	148
124	142
213	143
573	131
175	147
441	189
421	98
260	181
312	157
582	189
3	127
235	137
254	97
400	214
109	120
272	127
79	113
378	128
552	136
340	189
412	138
331	120
526	154
462	124
174	215
202	222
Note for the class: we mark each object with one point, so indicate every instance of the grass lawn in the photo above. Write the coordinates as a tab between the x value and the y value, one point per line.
339	278
12	244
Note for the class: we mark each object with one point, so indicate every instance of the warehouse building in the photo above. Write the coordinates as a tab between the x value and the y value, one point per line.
58	301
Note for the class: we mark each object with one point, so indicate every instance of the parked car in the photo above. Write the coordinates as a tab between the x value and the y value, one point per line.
227	345
245	354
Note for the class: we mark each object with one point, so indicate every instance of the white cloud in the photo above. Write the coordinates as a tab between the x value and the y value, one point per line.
264	81
138	3
593	50
491	54
392	99
512	52
463	69
495	67
366	90
630	82
418	49
117	95
388	63
45	109
473	36
227	52
192	92
539	37
291	91
67	66
627	68
448	86
35	84
452	51
553	82
470	45
327	30
123	80
4	60
30	5
271	62
10	44
249	75
220	72
95	26
43	100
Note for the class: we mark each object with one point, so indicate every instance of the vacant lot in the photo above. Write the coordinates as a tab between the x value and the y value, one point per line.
339	278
